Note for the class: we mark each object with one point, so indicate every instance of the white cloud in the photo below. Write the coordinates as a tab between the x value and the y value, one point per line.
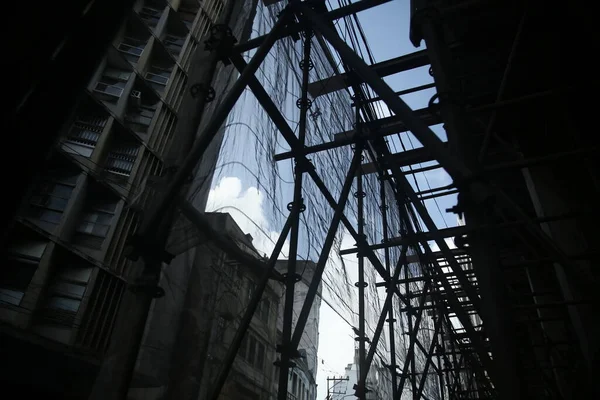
246	208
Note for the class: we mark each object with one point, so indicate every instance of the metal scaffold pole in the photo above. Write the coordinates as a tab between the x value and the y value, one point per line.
291	277
383	177
498	304
360	195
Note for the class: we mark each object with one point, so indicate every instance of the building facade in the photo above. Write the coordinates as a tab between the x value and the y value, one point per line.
302	378
219	293
65	269
378	382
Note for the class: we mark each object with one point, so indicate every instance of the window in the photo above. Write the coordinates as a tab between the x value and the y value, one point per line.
139	119
187	17
220	333
158	75
65	291
219	6
151	15
121	158
51	196
20	263
259	361
132	46
294	384
85	132
174	44
253	351
96	217
110	88
251	288
117	74
264	308
99	318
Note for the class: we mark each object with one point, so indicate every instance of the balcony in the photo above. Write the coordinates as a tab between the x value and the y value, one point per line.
158	76
96	217
123	150
174	44
176	34
113	90
133	43
131	46
141	107
150	15
85	130
121	158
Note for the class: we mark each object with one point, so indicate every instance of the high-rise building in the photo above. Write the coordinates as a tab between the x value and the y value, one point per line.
65	270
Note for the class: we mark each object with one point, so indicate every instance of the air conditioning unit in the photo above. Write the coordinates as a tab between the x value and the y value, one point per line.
135	98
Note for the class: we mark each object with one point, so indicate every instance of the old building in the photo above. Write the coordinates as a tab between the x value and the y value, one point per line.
219	293
65	270
377	382
302	378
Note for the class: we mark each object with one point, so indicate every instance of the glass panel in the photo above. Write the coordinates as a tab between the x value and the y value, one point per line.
9	296
95	223
62	303
157	78
119	165
112	90
84	135
75	274
68	289
251	350
260	356
16	273
243	346
133	50
76	148
118	74
49	216
33	249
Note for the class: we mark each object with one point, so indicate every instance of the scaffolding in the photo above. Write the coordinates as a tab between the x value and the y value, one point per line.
466	337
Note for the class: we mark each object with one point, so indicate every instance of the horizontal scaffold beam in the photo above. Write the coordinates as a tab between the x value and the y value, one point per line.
296	28
383	127
384	68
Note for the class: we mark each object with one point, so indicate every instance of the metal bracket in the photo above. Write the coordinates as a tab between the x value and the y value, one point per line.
301	208
221	40
137	246
145	284
467	199
198	88
293	354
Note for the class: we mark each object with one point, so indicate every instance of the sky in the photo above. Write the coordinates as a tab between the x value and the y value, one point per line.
386	28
